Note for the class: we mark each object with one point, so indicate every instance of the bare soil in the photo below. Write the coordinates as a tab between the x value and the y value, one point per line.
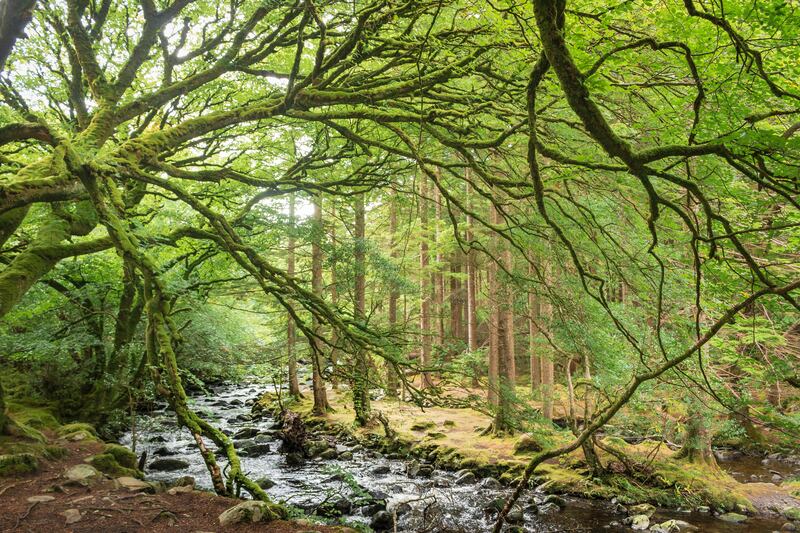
106	508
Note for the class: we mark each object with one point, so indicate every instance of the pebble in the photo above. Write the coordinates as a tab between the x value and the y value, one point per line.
41	498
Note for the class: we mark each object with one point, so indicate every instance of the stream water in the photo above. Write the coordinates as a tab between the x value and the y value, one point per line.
430	504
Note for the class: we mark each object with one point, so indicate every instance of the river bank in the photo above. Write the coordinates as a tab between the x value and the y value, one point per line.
438	473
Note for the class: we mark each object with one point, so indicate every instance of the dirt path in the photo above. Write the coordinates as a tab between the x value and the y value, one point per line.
44	503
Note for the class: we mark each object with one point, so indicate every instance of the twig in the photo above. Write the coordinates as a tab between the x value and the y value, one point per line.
11	486
24	516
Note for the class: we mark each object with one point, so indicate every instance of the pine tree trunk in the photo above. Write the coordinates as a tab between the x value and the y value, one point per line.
294	385
394	295
321	405
425	288
360	368
334	291
438	275
547	369
472	288
533	332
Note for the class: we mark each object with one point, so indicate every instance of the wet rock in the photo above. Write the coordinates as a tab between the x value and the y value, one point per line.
250	511
295	459
244	417
382	521
727	455
548	508
643	508
255	450
402	508
515	516
442	483
788	526
335	507
265	483
638	522
777	478
168	465
82	474
705	509
670	526
346	456
494	506
424	471
735	518
380	470
163	451
316	447
328	454
157	438
792	513
71	516
265	436
555	500
183	481
467	478
245	433
490	483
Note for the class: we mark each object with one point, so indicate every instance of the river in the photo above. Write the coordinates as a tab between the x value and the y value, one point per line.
419	504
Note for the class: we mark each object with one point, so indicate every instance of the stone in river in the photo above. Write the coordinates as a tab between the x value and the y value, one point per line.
168	465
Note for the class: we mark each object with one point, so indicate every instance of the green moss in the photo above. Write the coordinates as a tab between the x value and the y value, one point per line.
123	455
75	427
107	464
422	425
18	464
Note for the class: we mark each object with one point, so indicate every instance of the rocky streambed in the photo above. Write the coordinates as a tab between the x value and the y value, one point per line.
343	480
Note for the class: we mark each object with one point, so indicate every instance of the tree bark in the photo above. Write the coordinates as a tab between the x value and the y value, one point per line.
321	405
291	337
425	285
394	295
361	367
472	290
533	333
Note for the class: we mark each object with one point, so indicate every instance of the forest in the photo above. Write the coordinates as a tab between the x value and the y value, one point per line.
400	265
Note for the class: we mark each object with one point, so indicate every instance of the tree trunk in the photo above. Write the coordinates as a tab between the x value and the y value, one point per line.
294	385
697	444
334	291
321	405
438	275
3	414
533	332
361	367
394	295
425	289
547	369
472	288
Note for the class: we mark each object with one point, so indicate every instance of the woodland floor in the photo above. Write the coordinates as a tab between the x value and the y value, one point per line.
105	507
461	428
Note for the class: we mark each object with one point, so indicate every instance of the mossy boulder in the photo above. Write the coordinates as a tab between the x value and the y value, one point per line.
107	463
77	432
251	512
527	444
18	464
422	425
123	455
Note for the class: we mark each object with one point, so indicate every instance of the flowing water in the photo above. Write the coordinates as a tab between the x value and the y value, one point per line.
434	504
